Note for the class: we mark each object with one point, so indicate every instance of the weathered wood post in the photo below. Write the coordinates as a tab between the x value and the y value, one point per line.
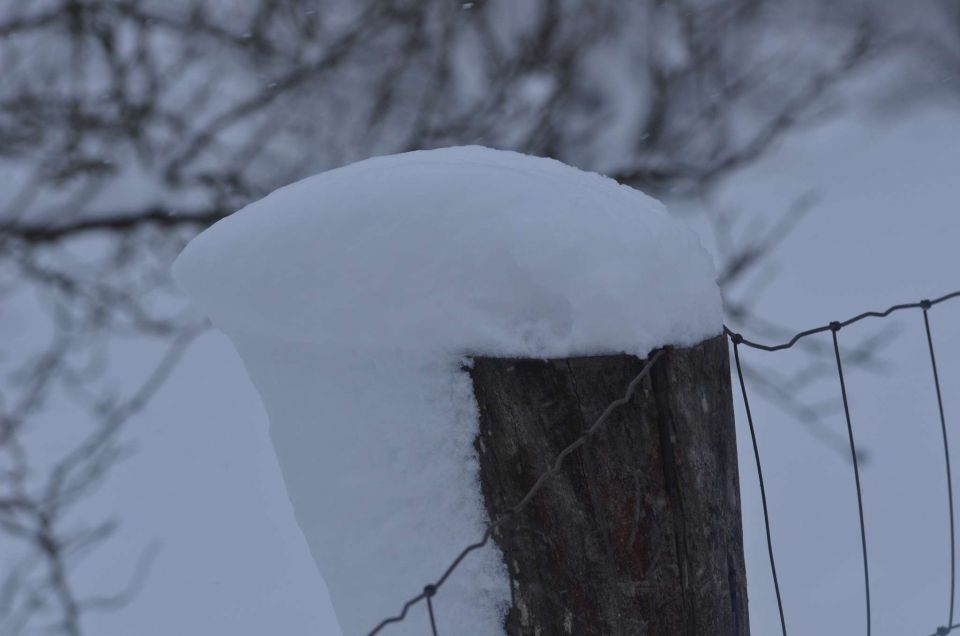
640	534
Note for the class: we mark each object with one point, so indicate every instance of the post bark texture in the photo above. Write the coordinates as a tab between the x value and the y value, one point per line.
640	533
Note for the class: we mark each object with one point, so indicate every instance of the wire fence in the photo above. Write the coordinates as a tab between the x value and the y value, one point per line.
429	591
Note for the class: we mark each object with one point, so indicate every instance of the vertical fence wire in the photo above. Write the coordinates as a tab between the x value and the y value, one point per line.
737	339
429	593
834	328
946	457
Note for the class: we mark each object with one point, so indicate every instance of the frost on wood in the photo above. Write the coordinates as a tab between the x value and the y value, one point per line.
353	296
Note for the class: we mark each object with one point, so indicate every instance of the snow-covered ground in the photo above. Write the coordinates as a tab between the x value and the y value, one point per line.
884	230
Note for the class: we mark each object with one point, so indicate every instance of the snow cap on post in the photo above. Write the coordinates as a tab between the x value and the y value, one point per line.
463	249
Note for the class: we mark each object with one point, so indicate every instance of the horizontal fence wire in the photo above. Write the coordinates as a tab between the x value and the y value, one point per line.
843	323
430	590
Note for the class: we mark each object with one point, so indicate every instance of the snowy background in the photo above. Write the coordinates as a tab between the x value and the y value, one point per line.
849	129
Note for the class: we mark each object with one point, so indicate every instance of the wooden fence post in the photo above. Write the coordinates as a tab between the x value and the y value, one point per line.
640	533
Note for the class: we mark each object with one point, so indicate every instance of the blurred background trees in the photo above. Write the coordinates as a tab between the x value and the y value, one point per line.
127	126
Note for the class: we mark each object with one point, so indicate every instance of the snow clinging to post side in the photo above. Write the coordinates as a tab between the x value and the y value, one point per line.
353	297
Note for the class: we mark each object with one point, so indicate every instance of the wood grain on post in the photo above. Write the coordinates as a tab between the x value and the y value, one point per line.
640	533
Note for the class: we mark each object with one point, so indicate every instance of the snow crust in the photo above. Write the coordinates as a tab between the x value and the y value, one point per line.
353	297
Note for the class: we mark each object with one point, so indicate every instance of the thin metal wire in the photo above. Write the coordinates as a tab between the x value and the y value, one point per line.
763	491
429	591
834	328
520	505
946	457
943	631
845	323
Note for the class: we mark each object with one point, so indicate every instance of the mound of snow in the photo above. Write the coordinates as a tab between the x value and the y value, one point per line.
465	249
353	296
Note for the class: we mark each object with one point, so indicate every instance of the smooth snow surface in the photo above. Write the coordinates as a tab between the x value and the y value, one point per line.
352	298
